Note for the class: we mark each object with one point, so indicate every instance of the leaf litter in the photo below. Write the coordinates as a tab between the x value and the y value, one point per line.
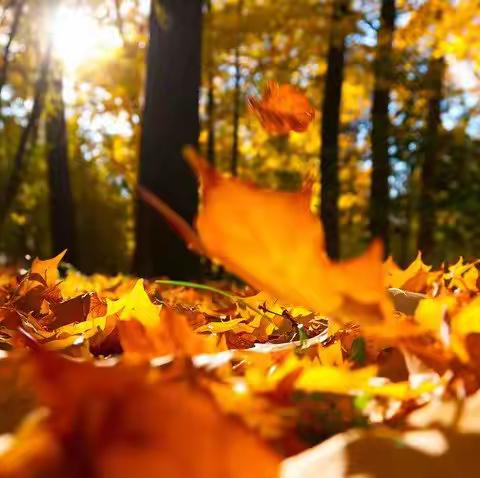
314	366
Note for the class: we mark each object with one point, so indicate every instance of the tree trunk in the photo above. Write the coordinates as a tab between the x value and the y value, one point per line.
332	96
17	14
428	189
236	92
119	21
14	181
383	66
62	217
170	121
210	92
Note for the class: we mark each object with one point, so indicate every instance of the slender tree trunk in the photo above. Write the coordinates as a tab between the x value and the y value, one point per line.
236	92
17	14
62	211
119	21
170	121
332	96
428	189
14	181
379	194
210	92
410	200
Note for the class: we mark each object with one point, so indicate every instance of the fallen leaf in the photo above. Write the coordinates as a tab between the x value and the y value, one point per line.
115	423
415	278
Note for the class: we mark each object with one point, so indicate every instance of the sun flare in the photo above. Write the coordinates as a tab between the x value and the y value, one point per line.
79	37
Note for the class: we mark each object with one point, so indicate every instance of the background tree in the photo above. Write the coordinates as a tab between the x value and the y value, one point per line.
383	73
237	92
13	182
329	163
432	153
62	210
17	7
209	55
102	47
170	121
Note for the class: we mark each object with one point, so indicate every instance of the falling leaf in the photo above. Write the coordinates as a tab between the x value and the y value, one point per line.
282	108
275	243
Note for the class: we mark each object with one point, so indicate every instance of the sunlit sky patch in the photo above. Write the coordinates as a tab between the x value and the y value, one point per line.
79	37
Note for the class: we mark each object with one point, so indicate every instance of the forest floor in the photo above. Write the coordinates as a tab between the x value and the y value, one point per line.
112	376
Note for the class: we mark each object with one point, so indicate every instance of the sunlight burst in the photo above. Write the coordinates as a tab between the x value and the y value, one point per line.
78	37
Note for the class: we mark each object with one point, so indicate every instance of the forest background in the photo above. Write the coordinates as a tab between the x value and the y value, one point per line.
99	96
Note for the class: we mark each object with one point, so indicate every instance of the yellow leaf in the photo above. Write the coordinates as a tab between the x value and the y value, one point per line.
414	278
331	355
219	327
463	276
430	313
343	381
321	378
47	269
135	305
466	322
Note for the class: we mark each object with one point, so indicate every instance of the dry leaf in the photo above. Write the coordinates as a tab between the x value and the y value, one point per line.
275	243
282	108
114	422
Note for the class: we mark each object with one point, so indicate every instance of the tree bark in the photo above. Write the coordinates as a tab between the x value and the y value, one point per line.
383	66
332	96
428	188
236	93
14	181
210	92
17	14
62	211
170	121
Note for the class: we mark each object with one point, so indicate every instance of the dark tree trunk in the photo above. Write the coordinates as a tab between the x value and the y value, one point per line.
236	92
428	188
170	122
379	194
14	181
17	14
210	93
62	210
332	96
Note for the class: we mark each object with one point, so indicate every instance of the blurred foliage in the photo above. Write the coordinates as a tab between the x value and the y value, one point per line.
103	52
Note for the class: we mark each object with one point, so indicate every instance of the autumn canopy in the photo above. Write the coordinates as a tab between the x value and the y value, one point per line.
239	238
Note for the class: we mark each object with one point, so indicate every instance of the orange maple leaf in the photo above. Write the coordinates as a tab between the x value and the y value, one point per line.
273	241
282	108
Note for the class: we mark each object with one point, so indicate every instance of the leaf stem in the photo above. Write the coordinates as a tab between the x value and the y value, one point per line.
208	288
